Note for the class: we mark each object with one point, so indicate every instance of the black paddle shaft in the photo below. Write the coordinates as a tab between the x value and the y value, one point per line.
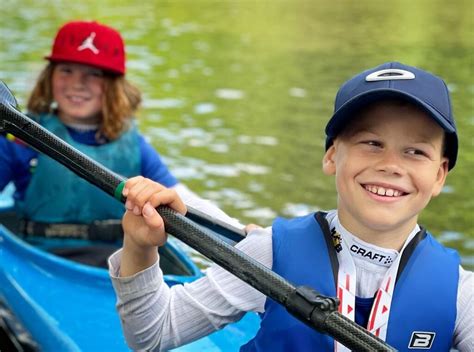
317	311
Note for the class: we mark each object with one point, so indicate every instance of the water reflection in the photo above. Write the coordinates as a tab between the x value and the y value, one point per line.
231	94
166	103
204	108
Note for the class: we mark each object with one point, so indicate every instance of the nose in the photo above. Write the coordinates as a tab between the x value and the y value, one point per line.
390	162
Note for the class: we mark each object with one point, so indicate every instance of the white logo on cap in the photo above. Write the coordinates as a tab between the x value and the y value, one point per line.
88	43
389	74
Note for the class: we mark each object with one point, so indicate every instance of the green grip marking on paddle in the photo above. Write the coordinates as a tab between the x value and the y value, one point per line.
118	191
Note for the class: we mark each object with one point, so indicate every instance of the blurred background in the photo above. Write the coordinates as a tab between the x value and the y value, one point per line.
237	93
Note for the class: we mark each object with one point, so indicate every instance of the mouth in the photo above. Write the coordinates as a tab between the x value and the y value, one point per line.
384	191
77	99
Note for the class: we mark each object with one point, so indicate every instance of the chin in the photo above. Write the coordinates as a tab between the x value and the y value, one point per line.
387	222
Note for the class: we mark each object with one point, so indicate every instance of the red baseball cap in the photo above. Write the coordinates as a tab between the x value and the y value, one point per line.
90	43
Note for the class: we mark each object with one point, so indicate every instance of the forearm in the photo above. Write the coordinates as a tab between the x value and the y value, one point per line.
157	317
139	300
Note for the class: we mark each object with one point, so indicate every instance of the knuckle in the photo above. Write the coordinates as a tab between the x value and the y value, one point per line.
155	199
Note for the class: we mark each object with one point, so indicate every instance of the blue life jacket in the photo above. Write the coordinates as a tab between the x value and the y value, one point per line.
424	300
56	194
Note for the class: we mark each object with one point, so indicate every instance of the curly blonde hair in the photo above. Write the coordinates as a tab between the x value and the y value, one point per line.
121	101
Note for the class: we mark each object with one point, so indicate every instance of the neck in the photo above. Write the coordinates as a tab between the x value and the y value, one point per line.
393	237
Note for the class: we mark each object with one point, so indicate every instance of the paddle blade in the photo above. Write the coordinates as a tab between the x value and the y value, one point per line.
6	96
6	99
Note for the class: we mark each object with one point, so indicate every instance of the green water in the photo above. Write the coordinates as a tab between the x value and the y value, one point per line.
237	93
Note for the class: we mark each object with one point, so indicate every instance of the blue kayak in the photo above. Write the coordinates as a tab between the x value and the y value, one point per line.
64	305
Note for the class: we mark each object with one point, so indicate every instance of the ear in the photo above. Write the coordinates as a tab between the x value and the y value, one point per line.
441	177
329	162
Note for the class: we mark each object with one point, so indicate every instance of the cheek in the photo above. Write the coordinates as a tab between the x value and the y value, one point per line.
56	85
346	167
98	89
427	183
98	85
343	171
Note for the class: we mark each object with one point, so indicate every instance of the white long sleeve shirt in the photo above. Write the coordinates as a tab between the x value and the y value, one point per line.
156	317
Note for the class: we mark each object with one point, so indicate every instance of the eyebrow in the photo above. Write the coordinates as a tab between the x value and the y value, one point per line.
421	139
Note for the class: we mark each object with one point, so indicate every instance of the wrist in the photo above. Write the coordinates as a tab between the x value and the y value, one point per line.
136	258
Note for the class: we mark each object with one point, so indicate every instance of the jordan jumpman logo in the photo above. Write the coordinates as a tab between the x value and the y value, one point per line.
88	43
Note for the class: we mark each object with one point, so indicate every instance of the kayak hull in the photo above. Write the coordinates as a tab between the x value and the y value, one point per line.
69	306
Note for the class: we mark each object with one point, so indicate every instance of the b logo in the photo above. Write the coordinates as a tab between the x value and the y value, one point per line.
421	340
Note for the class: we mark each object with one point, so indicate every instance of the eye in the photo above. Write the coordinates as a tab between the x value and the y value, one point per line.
372	143
417	152
95	73
64	69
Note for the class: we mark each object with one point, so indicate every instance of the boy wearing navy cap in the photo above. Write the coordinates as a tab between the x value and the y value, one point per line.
390	144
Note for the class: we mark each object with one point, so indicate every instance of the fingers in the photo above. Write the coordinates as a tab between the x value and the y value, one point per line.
152	218
170	198
140	190
130	183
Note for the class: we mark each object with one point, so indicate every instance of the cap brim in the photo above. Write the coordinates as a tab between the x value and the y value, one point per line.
344	113
59	58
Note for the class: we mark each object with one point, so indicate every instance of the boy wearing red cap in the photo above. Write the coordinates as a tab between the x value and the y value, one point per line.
83	97
390	144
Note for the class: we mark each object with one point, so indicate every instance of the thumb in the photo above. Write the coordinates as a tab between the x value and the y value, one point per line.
151	216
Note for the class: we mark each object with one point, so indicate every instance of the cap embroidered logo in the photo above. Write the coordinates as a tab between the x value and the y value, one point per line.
389	75
88	43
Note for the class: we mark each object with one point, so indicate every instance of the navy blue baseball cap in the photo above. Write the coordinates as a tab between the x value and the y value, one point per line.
396	80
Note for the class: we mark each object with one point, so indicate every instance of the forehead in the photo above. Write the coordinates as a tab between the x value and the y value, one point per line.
77	66
393	113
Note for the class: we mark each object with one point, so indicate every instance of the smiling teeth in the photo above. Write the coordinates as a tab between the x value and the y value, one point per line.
77	99
382	191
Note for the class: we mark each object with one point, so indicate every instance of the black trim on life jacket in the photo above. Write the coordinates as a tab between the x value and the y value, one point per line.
420	236
321	219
